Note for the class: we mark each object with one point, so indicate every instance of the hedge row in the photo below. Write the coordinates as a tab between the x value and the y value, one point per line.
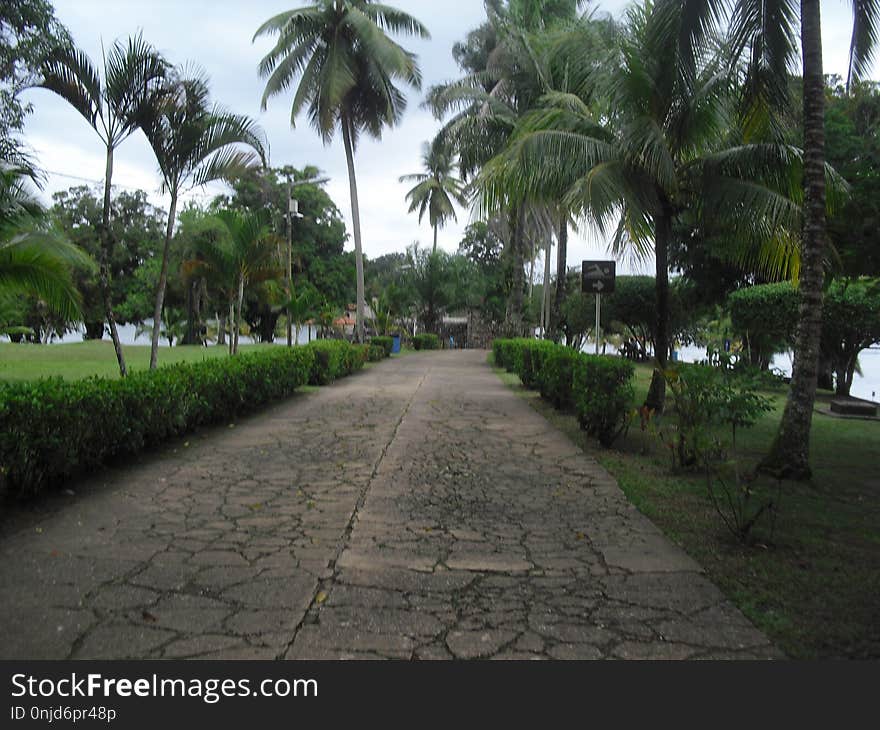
335	359
598	388
52	429
426	341
387	343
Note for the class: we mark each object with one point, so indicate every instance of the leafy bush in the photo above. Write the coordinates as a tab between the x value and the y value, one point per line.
426	341
52	429
387	343
603	392
334	359
375	352
557	376
599	387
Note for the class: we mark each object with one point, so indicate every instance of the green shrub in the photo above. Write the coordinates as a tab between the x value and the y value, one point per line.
599	387
387	343
375	352
603	392
426	341
52	429
557	375
334	359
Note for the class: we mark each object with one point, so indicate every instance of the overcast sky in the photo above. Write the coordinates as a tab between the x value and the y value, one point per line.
217	34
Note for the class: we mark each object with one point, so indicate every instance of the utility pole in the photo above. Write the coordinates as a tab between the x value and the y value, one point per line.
293	212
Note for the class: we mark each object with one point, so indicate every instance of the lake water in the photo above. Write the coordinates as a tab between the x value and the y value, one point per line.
866	385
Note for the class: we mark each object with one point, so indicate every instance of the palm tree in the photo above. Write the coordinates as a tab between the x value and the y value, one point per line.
301	308
347	66
114	107
194	144
766	31
644	141
249	256
437	188
34	259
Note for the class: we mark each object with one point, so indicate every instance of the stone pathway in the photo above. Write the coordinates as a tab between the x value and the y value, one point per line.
417	510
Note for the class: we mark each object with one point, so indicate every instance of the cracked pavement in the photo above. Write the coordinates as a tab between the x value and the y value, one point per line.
418	510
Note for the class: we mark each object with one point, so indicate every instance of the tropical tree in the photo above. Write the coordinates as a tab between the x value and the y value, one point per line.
642	141
195	143
347	67
248	256
34	259
301	307
115	106
437	189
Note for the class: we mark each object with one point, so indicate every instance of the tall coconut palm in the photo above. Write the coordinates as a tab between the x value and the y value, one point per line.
437	189
644	142
347	66
195	143
115	106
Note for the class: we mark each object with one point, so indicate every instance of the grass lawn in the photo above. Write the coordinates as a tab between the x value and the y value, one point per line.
84	359
815	588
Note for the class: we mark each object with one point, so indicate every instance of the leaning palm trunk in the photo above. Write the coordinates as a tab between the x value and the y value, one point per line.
221	329
790	453
231	323
356	225
163	282
434	250
106	257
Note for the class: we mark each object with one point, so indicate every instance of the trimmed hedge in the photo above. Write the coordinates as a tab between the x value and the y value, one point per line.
335	359
375	352
53	429
426	341
598	388
387	343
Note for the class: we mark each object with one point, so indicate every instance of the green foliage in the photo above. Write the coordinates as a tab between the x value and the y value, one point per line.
334	359
557	377
426	341
599	388
765	317
603	391
53	429
375	352
386	343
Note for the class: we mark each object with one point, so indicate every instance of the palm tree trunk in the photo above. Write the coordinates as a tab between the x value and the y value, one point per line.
790	453
356	225
221	329
434	250
545	293
231	322
514	312
106	256
657	391
239	300
561	272
163	282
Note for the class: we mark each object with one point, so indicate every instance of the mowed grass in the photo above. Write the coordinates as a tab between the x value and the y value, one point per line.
84	359
814	588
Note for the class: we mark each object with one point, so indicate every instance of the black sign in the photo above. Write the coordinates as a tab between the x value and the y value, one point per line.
597	277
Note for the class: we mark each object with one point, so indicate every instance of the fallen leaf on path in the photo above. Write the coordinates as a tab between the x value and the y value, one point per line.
321	597
147	616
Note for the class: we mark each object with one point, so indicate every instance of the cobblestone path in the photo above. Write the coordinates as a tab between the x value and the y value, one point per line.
417	510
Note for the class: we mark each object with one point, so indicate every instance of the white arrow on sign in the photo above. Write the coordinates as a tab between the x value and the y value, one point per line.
598	285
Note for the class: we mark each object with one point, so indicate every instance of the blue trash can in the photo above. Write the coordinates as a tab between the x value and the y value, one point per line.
395	344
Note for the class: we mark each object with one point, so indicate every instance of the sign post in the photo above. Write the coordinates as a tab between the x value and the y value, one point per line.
598	277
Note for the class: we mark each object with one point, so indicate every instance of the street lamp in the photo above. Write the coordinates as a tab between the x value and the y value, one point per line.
293	212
